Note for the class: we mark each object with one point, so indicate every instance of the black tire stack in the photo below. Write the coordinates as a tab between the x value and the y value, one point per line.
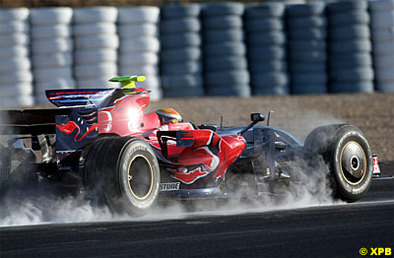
349	56
138	32
52	50
181	51
96	44
225	65
382	27
15	74
264	25
307	56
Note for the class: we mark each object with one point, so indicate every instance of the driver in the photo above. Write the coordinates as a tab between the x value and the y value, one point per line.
169	116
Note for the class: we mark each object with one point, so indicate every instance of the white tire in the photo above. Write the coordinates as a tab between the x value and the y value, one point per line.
152	83
383	19
95	14
57	83
94	29
17	39
7	27
95	83
14	64
50	16
18	101
17	76
137	15
14	52
51	31
103	70
138	30
156	95
138	58
139	70
40	99
49	74
97	41
51	46
141	44
14	14
52	60
95	56
16	89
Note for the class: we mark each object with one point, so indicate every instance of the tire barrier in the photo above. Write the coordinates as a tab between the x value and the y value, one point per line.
52	50
237	49
181	51
382	27
266	43
16	87
95	43
306	37
138	30
224	50
349	47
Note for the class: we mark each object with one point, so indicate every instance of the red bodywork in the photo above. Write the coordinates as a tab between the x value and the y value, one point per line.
206	152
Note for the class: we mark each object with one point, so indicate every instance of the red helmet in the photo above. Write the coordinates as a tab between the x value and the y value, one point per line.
169	116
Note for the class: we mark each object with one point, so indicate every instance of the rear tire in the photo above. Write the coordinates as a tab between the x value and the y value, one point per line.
348	155
123	173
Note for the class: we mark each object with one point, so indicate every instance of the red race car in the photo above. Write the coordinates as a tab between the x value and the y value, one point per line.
128	159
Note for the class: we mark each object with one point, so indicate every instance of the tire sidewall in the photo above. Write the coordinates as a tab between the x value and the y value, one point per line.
133	149
345	189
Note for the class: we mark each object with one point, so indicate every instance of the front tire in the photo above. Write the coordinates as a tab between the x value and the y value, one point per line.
348	155
124	173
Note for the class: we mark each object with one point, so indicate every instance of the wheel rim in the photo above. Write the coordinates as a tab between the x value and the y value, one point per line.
140	177
353	163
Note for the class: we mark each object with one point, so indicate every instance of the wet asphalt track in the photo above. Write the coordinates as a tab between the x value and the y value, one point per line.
326	231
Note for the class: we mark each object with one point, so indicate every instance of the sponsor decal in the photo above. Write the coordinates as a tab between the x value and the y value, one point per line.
71	126
189	176
165	187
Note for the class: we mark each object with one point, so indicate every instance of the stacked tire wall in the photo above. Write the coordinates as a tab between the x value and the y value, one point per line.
266	40
225	65
138	30
382	27
307	58
96	44
52	50
181	51
15	75
191	50
350	59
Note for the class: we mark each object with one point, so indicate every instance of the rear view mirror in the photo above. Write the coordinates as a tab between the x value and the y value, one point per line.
257	117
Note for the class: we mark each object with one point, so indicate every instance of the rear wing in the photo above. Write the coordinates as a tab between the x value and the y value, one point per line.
74	98
30	121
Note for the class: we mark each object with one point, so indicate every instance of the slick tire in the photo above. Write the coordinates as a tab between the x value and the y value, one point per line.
348	155
95	14
138	15
220	9
180	11
124	173
51	16
18	14
269	9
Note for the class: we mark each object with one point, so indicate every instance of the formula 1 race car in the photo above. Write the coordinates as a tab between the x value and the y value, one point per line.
128	159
